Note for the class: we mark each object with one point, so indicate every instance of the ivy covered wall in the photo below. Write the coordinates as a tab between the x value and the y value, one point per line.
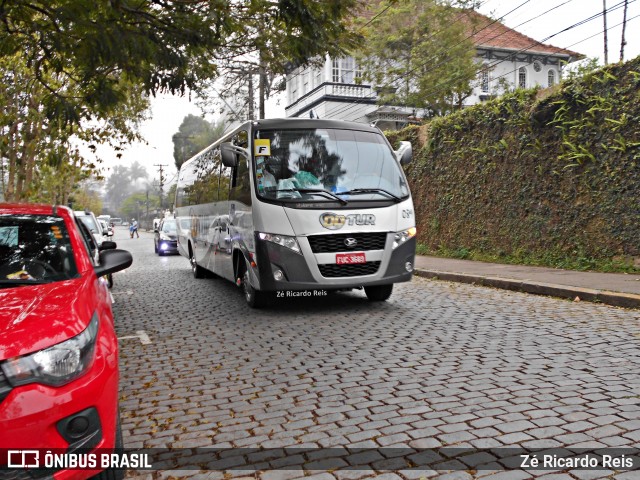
549	177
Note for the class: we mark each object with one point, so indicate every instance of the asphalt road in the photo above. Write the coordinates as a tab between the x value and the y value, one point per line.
439	364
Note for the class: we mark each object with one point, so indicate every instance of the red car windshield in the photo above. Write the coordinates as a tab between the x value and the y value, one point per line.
34	249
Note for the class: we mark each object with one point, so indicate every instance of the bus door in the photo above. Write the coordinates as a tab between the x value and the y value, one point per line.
221	246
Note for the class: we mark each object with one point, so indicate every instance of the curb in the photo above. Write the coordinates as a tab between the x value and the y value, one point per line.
616	299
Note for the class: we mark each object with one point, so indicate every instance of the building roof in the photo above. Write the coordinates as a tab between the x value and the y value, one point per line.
489	33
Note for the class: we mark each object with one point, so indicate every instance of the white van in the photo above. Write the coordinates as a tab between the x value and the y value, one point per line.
91	222
299	207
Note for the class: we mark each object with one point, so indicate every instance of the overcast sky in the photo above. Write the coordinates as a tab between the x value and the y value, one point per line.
527	17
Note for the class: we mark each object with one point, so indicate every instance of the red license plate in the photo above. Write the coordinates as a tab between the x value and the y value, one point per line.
349	258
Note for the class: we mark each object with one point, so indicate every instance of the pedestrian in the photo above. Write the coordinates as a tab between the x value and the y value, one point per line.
133	229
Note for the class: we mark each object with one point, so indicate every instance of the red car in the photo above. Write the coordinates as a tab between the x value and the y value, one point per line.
58	347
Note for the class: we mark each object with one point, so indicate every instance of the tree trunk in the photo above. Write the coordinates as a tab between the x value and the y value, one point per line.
623	42
13	164
262	89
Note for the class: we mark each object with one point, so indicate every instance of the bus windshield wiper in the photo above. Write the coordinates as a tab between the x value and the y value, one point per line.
370	190
313	190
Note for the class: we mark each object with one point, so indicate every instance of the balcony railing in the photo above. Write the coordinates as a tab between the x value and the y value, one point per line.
328	91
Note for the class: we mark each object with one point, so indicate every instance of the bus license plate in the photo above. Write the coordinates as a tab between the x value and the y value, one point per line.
349	258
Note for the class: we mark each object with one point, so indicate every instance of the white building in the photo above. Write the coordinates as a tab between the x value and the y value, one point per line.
504	56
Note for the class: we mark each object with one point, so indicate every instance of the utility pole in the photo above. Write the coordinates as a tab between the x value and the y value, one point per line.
624	28
161	180
604	18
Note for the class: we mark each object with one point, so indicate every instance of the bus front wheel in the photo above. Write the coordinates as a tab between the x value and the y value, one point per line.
379	293
255	298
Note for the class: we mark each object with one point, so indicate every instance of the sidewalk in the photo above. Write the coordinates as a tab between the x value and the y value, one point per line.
617	289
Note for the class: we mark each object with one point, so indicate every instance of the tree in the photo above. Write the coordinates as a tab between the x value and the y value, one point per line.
61	179
135	205
137	171
122	183
161	45
37	148
87	197
80	69
274	36
418	55
194	134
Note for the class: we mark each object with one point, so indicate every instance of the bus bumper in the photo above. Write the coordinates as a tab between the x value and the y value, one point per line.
280	268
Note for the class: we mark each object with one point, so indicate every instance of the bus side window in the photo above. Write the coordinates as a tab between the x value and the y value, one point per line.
224	182
240	181
241	186
241	139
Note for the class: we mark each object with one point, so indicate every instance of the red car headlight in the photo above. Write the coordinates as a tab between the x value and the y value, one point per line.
55	365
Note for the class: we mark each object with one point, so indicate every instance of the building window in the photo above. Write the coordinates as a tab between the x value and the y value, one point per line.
522	77
357	72
336	70
551	78
345	70
484	80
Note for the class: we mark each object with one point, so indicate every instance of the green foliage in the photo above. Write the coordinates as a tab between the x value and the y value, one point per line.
87	197
549	259
538	177
417	54
137	204
581	68
194	134
124	182
37	157
160	46
93	45
274	37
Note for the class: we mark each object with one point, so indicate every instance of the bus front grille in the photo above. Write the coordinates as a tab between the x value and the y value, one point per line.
333	270
338	242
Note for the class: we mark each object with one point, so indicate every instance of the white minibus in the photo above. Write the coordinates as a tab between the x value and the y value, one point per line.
299	207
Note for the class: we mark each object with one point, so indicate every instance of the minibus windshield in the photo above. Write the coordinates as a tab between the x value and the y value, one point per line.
326	165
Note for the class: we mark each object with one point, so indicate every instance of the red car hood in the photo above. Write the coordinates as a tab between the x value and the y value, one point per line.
35	317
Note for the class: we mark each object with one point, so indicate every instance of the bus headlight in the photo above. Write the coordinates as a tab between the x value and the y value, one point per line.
282	240
402	237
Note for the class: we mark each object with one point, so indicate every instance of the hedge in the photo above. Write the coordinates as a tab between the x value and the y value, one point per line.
548	177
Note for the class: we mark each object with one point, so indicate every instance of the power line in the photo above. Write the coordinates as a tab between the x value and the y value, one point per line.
342	110
449	48
301	71
513	55
443	61
577	43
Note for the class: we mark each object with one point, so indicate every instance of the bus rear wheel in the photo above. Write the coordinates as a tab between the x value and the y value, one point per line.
255	298
198	271
379	293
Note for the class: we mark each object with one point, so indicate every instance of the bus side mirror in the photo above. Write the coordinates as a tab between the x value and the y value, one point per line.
229	157
229	153
404	154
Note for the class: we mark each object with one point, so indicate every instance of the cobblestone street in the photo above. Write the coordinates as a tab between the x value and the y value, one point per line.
439	364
